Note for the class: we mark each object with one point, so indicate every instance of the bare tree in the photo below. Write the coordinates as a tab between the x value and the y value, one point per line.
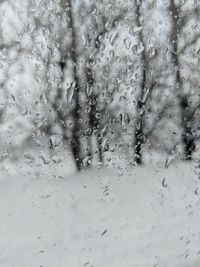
95	107
139	137
145	89
186	112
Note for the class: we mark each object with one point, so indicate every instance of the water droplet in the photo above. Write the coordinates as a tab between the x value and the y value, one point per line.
94	11
55	140
127	43
112	39
70	92
24	110
104	131
57	159
164	183
45	160
98	116
105	145
89	89
111	54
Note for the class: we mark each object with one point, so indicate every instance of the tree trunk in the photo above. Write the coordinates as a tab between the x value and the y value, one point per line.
94	124
100	149
139	134
76	132
140	112
187	138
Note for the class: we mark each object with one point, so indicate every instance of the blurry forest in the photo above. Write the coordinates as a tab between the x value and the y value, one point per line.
99	82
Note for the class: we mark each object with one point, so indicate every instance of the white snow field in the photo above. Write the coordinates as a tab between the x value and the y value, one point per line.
141	217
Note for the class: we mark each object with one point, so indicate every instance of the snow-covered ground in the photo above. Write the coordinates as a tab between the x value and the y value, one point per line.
108	218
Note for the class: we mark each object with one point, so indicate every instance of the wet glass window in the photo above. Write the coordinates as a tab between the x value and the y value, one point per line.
99	133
